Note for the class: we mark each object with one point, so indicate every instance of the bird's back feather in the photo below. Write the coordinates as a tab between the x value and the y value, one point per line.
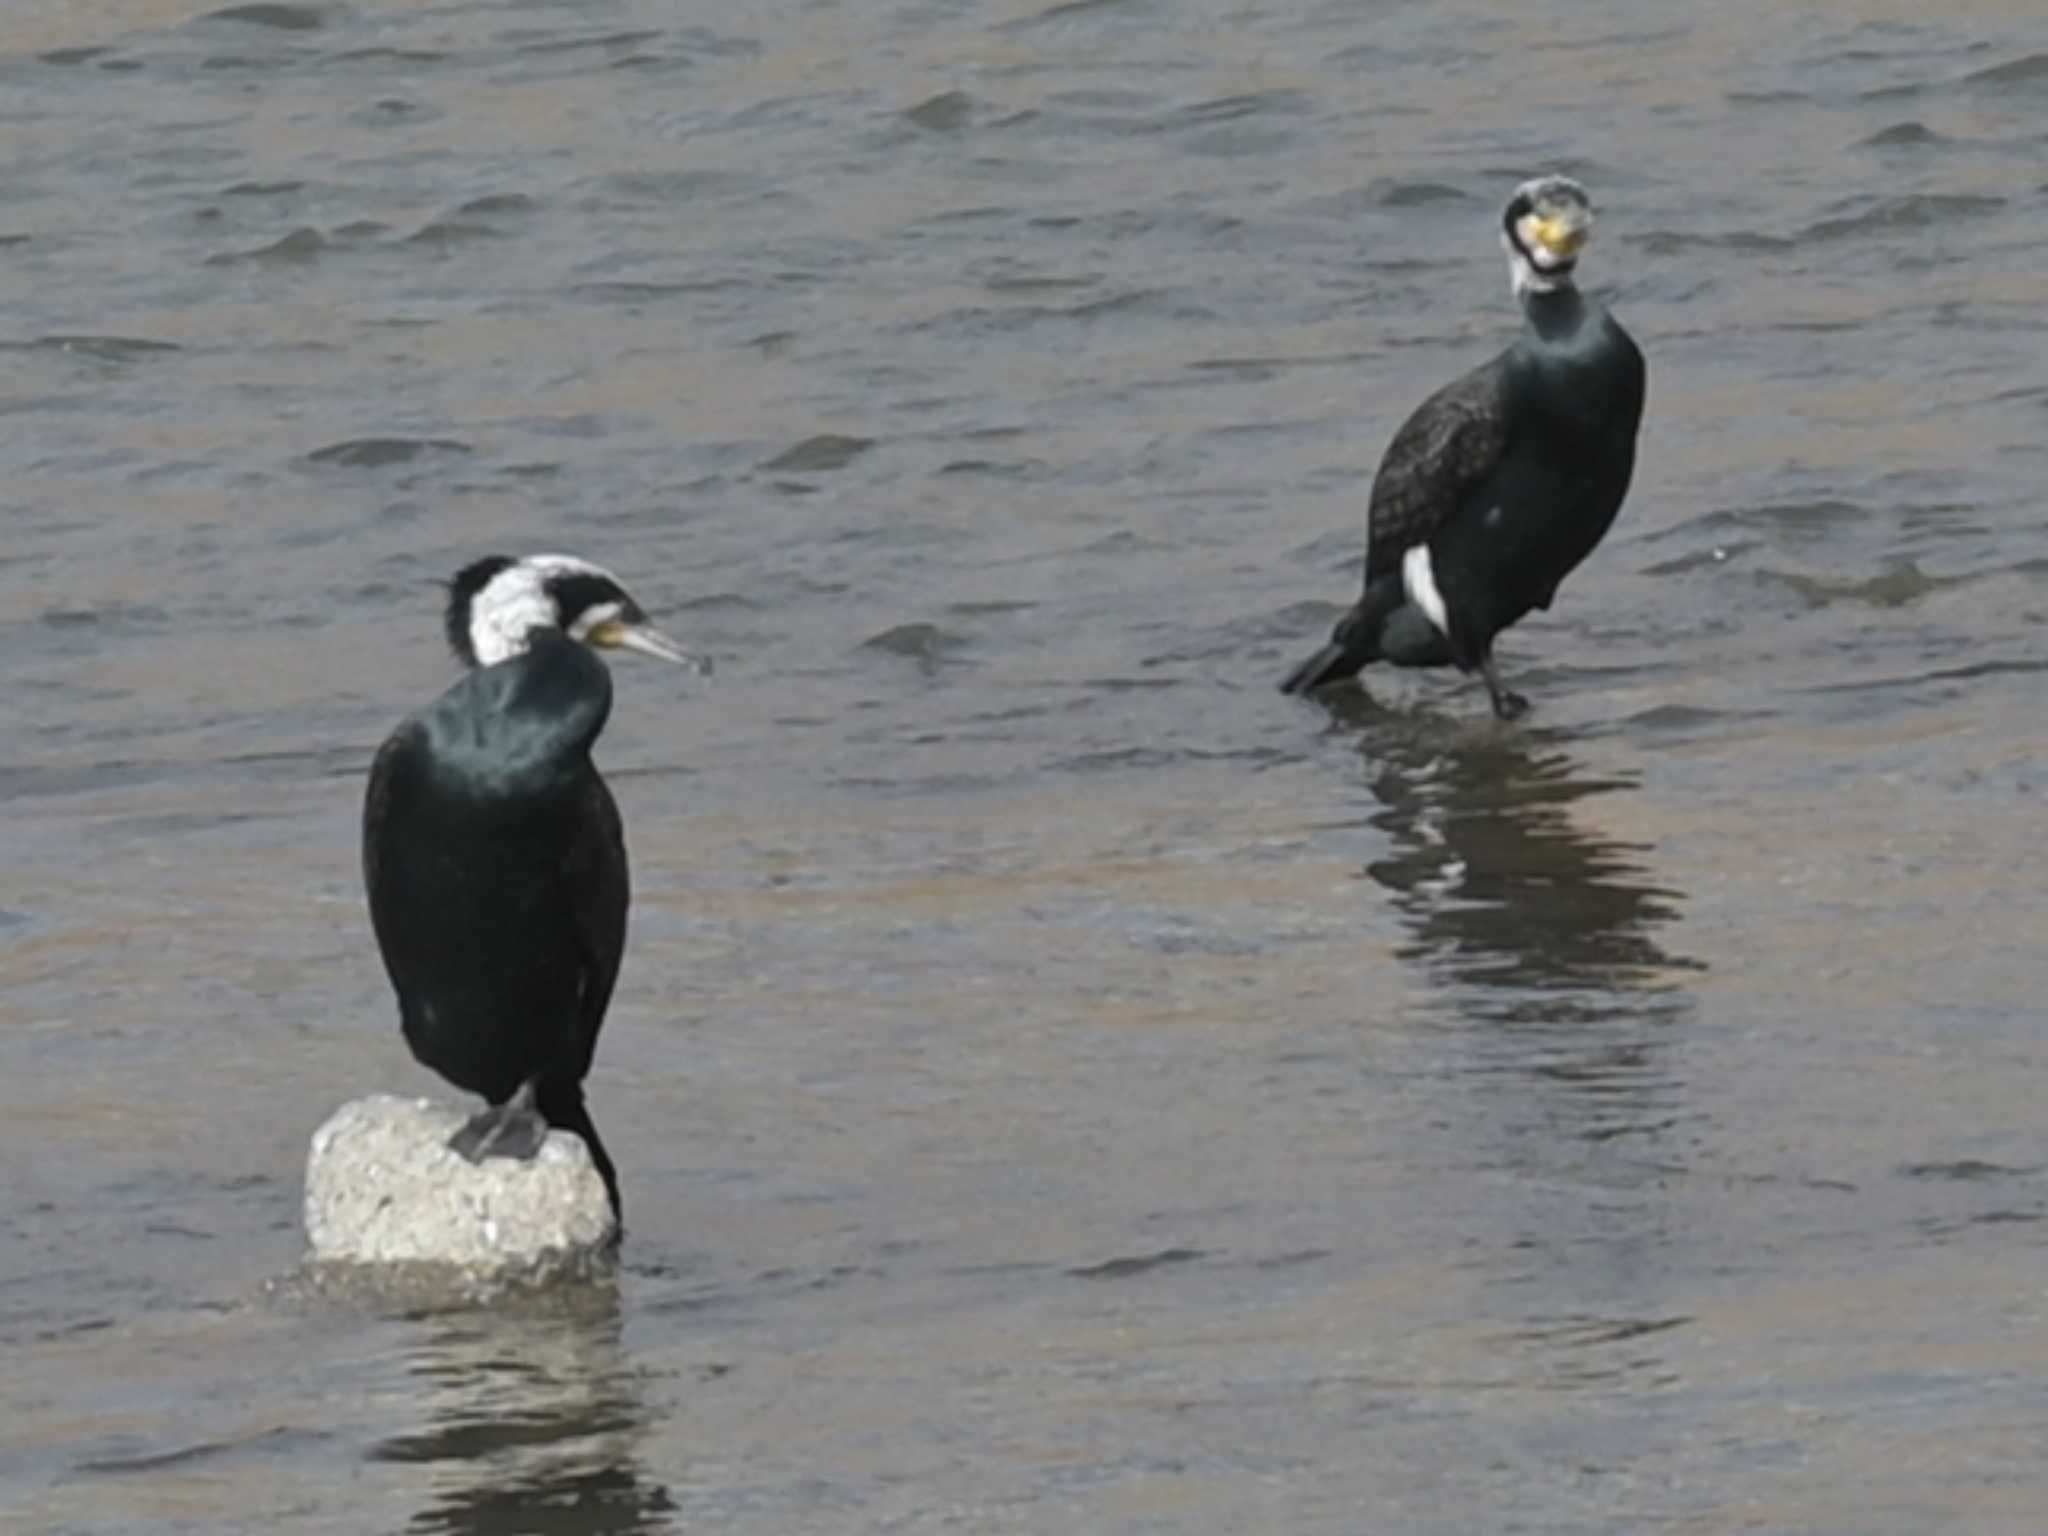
1448	446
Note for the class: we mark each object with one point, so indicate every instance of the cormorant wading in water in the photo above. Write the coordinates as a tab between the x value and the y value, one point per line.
494	855
1503	480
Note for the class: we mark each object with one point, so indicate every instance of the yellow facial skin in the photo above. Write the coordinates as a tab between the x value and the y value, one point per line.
1560	236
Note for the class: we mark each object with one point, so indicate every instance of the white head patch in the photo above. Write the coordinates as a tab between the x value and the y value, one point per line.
1549	219
515	602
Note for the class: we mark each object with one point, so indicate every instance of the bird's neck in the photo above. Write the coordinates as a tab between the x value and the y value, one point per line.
526	724
1554	312
562	680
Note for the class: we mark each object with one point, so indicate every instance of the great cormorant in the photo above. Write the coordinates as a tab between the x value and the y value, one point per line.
1503	480
494	855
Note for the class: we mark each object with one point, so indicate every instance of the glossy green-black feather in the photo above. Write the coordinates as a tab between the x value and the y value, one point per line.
1510	475
498	886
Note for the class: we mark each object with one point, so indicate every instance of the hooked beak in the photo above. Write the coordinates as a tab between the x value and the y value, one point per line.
649	641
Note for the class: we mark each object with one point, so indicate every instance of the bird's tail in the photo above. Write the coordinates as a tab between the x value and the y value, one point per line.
561	1105
1353	643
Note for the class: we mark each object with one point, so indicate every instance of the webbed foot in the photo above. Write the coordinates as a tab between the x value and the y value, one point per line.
1507	705
512	1129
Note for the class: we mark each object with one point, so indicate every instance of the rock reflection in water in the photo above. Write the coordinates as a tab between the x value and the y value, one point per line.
532	1419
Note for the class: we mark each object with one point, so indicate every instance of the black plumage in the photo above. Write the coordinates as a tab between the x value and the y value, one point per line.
1505	479
494	855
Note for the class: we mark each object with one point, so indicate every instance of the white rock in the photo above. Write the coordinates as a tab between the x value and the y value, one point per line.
382	1188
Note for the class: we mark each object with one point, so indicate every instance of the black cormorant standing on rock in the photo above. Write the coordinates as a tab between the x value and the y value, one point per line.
1503	480
494	855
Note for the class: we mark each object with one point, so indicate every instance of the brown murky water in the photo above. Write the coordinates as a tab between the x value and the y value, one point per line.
1061	1084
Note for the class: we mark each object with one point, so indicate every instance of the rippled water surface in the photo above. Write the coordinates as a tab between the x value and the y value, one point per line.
1060	1083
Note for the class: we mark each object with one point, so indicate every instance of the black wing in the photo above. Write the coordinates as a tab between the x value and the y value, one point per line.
1449	445
388	771
595	881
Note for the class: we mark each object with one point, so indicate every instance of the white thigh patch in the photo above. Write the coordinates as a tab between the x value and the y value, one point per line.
1418	580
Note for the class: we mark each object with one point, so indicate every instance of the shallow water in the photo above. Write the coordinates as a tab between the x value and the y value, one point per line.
1060	1083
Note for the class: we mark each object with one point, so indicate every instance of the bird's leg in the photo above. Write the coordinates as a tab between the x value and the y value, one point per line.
1506	705
513	1129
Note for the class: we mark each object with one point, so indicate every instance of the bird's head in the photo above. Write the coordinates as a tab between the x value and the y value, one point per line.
497	605
1547	224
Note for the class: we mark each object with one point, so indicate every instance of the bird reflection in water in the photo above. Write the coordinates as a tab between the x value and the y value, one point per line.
1524	915
533	1419
1501	885
1551	1036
